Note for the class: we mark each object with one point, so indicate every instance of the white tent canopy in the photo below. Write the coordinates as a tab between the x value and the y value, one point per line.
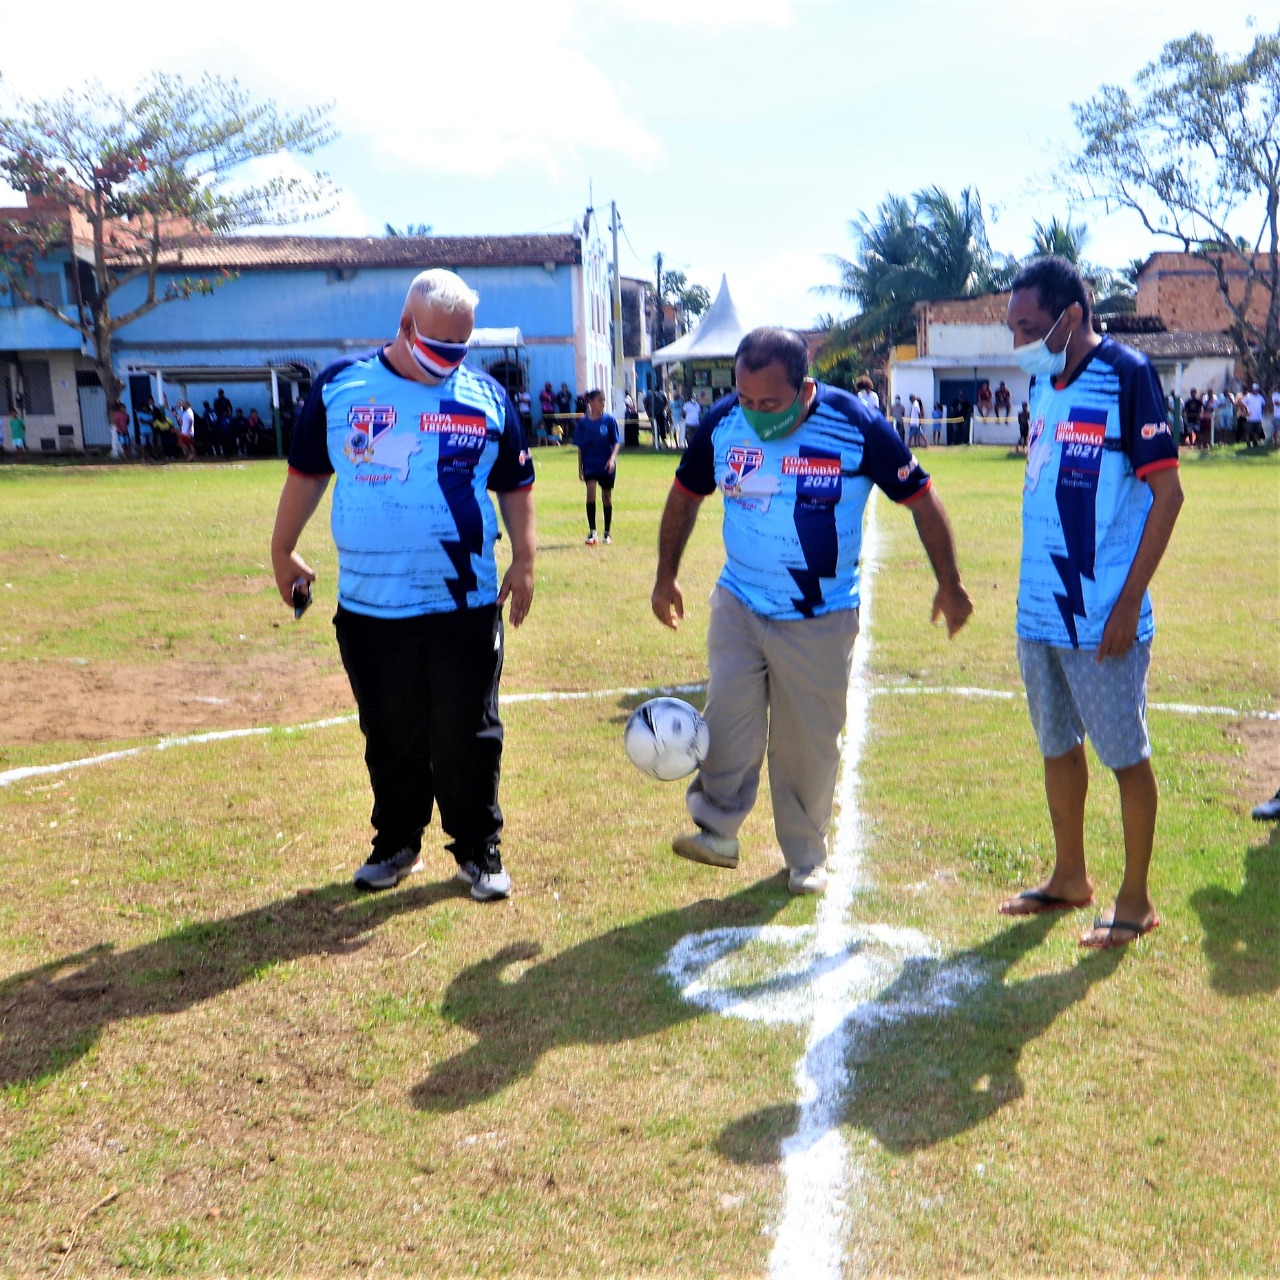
715	338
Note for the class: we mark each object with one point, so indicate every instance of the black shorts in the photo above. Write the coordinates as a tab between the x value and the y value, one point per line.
604	479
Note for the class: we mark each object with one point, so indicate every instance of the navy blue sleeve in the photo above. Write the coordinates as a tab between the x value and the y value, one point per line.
513	467
614	435
697	470
1144	430
890	464
309	449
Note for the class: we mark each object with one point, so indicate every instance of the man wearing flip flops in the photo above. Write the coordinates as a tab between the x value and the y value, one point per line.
1099	503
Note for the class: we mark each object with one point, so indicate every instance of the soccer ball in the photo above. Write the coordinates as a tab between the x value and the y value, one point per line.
666	738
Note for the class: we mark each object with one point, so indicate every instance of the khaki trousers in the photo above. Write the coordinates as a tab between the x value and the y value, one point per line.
777	689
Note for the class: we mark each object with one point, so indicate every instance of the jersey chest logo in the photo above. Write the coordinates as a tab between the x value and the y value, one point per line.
370	444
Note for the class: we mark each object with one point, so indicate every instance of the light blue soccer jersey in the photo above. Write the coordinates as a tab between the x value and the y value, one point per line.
412	523
1084	502
793	507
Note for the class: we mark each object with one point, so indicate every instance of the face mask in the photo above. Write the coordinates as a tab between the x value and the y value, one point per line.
769	426
439	359
1037	360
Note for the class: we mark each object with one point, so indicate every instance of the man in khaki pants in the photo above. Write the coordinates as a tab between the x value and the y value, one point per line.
794	462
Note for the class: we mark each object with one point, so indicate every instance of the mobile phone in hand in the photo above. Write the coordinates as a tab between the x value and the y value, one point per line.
301	597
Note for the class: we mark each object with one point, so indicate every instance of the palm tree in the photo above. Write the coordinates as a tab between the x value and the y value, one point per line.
954	241
1063	239
930	246
881	283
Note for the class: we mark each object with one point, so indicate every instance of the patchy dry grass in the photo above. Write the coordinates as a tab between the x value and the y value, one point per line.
275	1075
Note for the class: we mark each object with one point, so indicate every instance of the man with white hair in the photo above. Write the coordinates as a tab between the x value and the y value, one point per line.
415	438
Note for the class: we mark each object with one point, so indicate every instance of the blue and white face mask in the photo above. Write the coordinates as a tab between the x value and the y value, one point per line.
439	359
1037	360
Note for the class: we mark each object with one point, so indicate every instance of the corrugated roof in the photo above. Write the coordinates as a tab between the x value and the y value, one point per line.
247	253
1178	345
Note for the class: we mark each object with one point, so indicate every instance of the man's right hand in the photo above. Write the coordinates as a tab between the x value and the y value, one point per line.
668	604
288	570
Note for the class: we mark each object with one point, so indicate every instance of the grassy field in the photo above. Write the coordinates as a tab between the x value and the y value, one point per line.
215	1058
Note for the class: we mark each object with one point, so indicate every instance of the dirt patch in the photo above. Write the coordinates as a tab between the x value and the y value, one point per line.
1261	776
78	702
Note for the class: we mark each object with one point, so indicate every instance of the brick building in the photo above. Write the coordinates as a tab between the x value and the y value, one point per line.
1182	289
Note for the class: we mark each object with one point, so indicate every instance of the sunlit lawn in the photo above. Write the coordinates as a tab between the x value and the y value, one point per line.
217	1059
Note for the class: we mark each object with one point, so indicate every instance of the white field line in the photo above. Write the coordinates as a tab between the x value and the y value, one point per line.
830	977
1174	708
11	776
811	1235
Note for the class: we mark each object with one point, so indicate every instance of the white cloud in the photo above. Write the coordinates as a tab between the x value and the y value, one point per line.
346	218
515	95
718	14
764	287
439	90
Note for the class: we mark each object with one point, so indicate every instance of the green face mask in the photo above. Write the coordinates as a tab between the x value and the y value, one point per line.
769	426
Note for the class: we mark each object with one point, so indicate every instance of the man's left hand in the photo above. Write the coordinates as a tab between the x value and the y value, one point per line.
517	586
953	604
1121	630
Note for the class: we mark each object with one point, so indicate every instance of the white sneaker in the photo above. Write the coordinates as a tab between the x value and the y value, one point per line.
607	539
807	880
486	886
1268	810
708	848
389	872
591	538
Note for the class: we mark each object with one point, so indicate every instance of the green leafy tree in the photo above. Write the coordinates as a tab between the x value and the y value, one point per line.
1194	151
125	184
677	291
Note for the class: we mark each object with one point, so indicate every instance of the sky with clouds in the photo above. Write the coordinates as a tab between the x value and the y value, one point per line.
738	137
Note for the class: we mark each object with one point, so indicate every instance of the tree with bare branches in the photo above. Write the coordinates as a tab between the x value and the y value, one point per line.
1194	151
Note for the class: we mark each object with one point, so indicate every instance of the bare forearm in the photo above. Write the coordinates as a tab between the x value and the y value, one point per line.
934	530
951	602
521	525
1167	499
678	518
298	502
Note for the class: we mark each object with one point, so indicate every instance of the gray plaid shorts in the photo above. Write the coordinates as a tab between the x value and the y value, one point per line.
1071	694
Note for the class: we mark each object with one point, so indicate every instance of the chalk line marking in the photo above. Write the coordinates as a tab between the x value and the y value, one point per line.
1010	695
11	776
837	967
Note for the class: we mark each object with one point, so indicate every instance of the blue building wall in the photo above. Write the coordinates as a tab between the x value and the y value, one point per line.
314	316
27	328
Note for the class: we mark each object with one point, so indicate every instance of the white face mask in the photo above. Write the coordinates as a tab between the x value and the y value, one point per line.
1037	360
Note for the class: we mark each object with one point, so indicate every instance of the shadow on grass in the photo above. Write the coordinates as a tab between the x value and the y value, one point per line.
1242	930
695	695
51	1016
936	1052
602	991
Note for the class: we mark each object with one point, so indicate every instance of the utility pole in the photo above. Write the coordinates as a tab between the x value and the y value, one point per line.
618	375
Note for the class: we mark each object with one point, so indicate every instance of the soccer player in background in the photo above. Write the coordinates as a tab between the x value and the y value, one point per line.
598	440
